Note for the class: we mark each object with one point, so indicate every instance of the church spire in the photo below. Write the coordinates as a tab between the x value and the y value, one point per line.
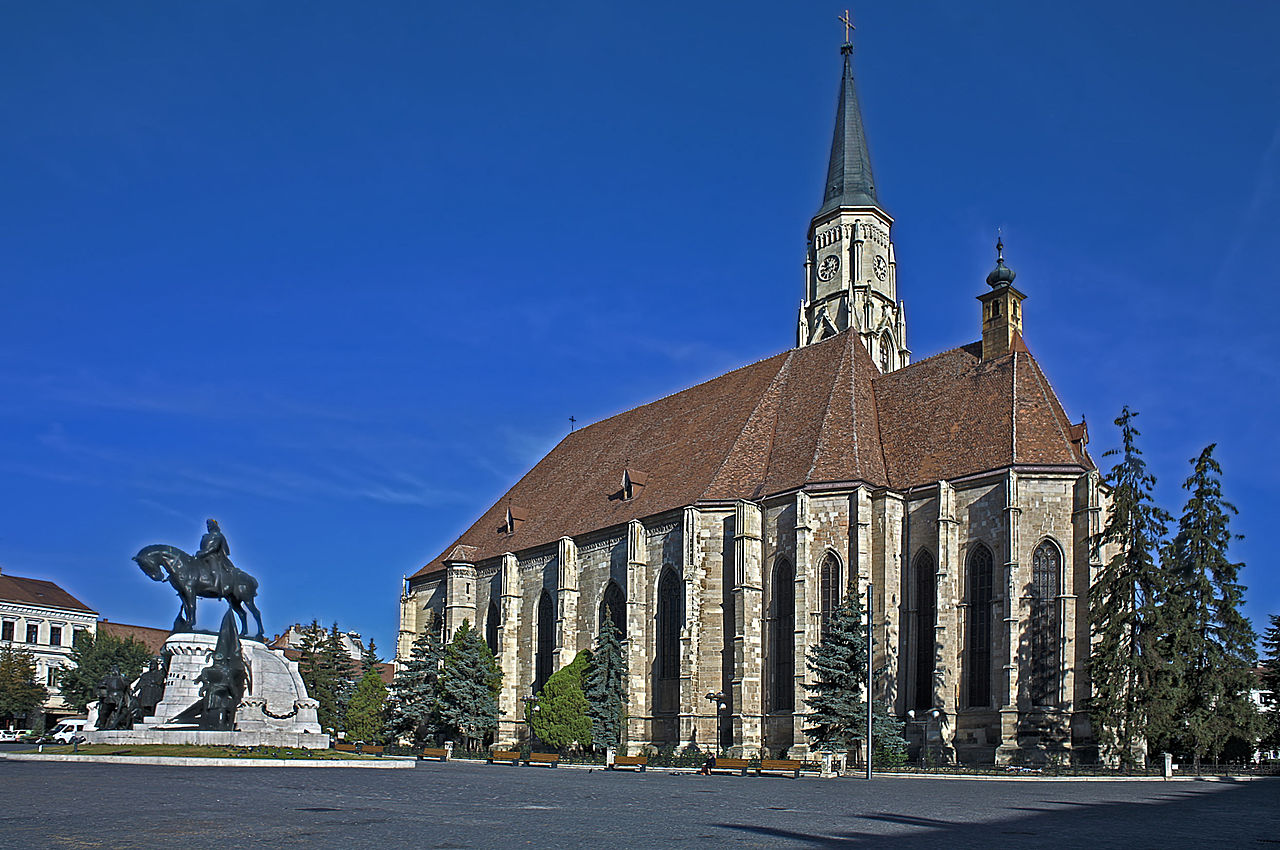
849	179
850	267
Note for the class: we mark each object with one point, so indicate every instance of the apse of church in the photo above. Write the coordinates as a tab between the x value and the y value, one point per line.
955	485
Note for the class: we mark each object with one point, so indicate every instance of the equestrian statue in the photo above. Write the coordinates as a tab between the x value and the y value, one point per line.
208	574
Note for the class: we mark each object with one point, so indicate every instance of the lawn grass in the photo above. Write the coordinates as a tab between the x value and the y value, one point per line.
197	751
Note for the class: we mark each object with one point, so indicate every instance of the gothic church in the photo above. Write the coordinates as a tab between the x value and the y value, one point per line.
721	525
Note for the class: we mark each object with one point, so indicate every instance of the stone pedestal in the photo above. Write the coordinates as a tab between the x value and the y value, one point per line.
275	711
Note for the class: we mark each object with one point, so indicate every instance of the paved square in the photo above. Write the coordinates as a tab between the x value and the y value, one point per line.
472	805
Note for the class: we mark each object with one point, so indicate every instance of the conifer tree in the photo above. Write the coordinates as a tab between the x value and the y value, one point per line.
605	688
369	658
1271	682
415	691
366	714
1124	606
562	719
469	685
837	699
343	669
1211	641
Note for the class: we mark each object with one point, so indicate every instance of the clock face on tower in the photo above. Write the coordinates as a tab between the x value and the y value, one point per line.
880	267
827	268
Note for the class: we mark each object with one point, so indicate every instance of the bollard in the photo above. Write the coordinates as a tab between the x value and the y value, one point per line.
1168	765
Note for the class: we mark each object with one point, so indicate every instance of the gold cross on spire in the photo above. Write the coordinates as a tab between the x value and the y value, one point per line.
848	25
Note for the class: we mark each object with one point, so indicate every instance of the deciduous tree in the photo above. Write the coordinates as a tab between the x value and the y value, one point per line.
366	714
92	657
20	693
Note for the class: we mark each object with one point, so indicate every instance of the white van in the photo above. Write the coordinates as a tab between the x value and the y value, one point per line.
68	729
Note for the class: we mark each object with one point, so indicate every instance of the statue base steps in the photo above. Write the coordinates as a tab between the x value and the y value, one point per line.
205	737
275	710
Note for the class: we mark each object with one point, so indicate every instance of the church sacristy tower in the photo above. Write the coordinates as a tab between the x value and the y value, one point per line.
721	526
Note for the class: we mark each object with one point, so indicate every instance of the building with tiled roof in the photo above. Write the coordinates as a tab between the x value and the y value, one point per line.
721	525
152	638
40	618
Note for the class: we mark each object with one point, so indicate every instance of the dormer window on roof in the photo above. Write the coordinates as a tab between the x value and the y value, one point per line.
515	516
633	481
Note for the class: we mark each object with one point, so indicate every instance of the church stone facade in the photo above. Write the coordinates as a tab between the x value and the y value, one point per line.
720	526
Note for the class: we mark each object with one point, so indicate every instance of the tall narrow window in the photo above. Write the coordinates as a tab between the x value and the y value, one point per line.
670	621
783	645
614	606
546	646
926	621
491	627
978	667
829	587
1046	570
886	353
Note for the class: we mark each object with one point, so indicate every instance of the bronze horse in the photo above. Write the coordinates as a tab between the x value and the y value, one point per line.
195	577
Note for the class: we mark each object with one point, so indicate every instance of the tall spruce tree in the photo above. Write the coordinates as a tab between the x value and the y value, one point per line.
469	685
1211	641
1271	682
562	718
344	672
415	691
369	658
605	687
837	699
1125	606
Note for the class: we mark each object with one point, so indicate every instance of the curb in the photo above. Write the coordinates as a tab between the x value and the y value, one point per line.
178	761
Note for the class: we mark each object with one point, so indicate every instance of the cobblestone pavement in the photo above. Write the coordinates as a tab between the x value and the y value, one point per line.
482	806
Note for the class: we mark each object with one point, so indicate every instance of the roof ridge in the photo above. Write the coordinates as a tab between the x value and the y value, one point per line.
1055	404
916	363
586	428
783	370
845	357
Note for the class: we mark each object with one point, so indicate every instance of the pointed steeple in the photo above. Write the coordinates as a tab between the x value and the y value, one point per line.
849	179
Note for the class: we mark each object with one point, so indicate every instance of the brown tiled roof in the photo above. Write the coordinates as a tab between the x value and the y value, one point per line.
152	639
34	591
813	415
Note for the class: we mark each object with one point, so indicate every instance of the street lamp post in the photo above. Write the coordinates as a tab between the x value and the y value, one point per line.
530	706
923	723
716	698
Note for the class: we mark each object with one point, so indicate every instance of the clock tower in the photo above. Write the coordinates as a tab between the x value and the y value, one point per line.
850	268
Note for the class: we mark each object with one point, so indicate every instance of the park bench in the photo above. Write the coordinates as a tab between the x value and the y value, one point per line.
638	762
434	753
740	765
346	748
549	759
792	766
372	749
512	756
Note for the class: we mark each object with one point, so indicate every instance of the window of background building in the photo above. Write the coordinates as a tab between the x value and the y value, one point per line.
51	677
55	636
33	633
6	630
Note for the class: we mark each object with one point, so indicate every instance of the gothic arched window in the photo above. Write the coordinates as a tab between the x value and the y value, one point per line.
1046	572
783	648
978	663
491	627
926	620
886	352
829	589
670	621
546	641
614	605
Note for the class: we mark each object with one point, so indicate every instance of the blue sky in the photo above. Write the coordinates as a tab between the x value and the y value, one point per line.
338	273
